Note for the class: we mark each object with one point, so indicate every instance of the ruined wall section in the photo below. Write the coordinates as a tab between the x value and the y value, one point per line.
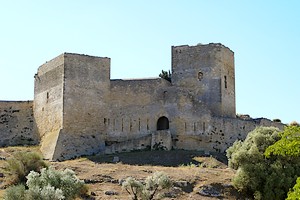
17	126
200	69
85	104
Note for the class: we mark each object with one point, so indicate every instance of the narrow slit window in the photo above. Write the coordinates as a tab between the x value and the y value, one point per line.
47	97
139	124
200	76
225	81
147	124
130	125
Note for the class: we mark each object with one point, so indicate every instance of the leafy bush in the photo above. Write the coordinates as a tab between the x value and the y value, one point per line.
294	194
289	144
147	191
50	184
21	163
264	177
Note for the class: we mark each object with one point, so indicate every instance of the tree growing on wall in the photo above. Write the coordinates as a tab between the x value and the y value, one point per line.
165	75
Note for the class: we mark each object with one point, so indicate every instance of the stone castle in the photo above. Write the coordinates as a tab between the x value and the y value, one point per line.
78	110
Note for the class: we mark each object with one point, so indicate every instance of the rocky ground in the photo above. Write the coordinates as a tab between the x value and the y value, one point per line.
194	175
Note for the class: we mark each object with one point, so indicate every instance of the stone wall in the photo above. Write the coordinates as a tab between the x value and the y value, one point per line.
220	133
17	126
135	107
156	140
48	103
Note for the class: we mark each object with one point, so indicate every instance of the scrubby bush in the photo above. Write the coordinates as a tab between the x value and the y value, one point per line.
15	192
148	190
50	184
133	187
21	163
264	177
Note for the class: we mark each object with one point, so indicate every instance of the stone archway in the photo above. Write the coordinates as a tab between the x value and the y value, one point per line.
163	123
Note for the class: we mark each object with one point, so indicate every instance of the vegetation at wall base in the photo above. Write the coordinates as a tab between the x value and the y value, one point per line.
50	184
21	163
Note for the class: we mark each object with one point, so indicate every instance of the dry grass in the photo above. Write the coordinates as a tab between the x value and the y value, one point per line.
190	167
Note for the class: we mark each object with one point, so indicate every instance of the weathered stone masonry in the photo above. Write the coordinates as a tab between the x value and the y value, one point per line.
17	125
78	110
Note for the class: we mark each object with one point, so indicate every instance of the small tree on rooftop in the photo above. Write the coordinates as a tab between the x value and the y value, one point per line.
165	75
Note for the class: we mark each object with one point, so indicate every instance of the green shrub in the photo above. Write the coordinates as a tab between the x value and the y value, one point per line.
263	177
165	75
50	184
21	163
65	180
294	194
15	192
289	144
45	193
148	190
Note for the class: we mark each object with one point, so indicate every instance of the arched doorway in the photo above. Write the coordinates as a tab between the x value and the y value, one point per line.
163	123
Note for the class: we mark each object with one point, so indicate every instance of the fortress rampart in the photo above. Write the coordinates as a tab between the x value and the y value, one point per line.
78	110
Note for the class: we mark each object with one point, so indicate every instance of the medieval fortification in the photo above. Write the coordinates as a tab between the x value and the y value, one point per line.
78	110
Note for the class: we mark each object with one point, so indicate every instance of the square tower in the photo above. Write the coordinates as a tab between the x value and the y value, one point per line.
207	71
69	103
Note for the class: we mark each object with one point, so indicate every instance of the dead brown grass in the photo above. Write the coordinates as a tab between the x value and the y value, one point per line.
190	168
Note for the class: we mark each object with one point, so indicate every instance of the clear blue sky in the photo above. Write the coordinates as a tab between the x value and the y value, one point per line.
138	35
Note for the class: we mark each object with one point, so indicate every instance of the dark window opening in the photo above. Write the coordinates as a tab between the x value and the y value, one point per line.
162	123
225	81
200	76
47	97
147	124
139	124
130	125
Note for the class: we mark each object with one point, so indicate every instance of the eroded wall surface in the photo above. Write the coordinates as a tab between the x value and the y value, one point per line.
17	126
